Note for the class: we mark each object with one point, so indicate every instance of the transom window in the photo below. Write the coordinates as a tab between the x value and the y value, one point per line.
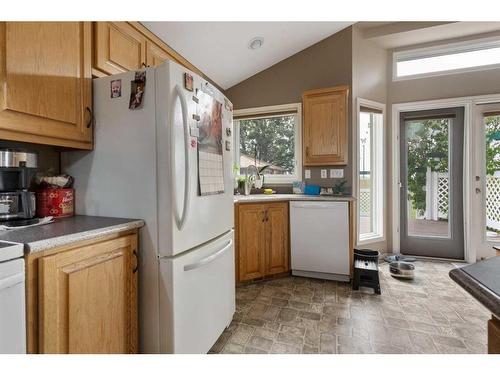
452	58
269	139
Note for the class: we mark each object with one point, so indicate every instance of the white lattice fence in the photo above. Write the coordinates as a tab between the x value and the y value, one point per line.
364	202
437	195
442	195
493	202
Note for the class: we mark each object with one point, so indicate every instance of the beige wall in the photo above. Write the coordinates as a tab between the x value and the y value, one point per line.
326	63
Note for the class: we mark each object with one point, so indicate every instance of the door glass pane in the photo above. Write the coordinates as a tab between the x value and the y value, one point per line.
492	135
365	175
427	177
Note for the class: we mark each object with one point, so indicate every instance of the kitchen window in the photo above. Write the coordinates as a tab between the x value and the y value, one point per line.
269	138
370	181
452	58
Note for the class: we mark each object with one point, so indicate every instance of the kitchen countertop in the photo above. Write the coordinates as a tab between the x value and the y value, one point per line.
64	231
482	281
290	197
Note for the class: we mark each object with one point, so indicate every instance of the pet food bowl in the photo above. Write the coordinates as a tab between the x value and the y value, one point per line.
402	270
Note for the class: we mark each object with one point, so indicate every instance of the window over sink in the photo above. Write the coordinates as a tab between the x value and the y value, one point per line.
269	138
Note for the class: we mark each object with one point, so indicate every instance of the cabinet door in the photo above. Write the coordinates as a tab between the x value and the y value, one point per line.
325	126
277	244
119	47
155	55
251	242
88	299
46	83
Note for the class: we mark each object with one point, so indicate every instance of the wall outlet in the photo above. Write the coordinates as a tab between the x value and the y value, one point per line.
324	173
336	173
307	173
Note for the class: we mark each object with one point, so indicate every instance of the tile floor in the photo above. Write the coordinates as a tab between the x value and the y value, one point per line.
430	314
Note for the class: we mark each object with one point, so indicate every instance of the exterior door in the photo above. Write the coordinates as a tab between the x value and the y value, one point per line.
431	206
486	210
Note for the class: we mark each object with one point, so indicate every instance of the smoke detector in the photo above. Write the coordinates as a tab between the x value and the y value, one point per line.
256	42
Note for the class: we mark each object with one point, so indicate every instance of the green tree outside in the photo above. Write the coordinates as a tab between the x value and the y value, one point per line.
427	143
271	140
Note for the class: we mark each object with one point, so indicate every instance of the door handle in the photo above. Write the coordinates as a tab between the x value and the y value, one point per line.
134	253
91	117
11	281
209	258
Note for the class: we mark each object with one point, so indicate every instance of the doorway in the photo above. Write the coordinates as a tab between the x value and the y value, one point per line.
486	193
431	183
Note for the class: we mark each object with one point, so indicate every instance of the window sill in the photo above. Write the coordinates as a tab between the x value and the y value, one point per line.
368	239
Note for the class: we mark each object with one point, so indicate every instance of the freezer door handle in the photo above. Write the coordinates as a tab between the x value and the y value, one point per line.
180	220
209	258
11	281
314	206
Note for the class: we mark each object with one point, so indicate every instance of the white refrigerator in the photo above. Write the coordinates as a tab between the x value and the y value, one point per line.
169	162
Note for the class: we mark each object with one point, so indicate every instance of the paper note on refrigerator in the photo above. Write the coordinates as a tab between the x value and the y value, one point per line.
210	162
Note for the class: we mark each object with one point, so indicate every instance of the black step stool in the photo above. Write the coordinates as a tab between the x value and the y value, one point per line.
366	270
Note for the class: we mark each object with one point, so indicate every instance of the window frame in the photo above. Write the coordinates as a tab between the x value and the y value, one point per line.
378	171
266	112
440	50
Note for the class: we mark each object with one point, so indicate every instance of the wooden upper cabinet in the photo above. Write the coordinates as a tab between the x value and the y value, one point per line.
277	238
251	242
325	126
88	299
118	48
155	55
45	83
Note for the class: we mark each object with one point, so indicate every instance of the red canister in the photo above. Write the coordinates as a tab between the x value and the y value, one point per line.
55	202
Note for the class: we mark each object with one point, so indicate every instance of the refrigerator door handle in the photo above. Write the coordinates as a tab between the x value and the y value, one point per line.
209	258
181	219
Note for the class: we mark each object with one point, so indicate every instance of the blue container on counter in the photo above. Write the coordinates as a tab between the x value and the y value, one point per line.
312	189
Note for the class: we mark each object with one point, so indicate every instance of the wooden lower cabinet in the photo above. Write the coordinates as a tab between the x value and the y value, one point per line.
87	299
494	336
278	249
262	240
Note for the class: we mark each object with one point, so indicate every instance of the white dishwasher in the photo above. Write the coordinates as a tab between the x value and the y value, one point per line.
319	233
12	299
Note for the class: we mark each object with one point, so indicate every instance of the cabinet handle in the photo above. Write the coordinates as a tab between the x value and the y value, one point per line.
136	261
91	117
144	65
307	150
267	216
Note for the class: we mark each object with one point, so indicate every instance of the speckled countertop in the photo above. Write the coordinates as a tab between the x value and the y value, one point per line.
482	281
290	197
65	231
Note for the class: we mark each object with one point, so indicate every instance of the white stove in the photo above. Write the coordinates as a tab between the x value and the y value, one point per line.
12	299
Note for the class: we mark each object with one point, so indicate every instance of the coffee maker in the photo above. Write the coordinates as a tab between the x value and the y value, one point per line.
17	203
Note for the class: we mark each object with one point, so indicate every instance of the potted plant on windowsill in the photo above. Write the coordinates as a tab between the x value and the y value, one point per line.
259	179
